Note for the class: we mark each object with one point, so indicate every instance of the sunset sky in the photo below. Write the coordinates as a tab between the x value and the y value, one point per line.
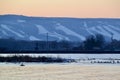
62	8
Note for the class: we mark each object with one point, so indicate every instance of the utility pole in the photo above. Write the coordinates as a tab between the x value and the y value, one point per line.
112	36
112	47
47	43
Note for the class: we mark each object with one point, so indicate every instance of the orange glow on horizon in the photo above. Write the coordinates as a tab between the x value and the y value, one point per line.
62	8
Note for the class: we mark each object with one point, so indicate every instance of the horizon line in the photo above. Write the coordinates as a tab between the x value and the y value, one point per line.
62	16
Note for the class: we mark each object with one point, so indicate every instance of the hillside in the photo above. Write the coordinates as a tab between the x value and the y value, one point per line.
70	29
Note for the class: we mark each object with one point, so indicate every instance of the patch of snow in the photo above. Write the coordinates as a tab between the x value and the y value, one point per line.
21	21
68	31
104	32
41	29
64	37
22	32
111	31
115	28
8	29
4	32
54	35
34	38
89	31
59	36
100	30
95	56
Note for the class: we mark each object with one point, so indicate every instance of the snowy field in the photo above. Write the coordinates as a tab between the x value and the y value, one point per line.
73	56
62	71
59	72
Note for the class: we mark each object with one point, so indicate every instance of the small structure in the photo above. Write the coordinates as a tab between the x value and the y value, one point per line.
22	64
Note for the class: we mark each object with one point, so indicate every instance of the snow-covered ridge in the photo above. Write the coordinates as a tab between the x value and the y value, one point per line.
69	32
71	29
5	27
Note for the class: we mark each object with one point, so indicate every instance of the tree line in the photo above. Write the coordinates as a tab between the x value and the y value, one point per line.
27	58
92	43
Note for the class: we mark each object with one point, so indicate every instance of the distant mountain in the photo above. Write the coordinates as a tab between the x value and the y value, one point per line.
71	29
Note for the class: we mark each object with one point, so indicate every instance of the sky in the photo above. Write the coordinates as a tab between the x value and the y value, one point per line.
62	8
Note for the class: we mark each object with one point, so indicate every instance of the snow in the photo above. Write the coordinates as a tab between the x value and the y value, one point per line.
111	31
4	32
41	29
103	31
33	38
100	30
22	32
89	31
68	31
21	21
75	56
57	29
114	27
107	31
10	30
64	37
59	36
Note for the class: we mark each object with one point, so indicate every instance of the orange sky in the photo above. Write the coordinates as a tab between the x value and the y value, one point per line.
62	8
